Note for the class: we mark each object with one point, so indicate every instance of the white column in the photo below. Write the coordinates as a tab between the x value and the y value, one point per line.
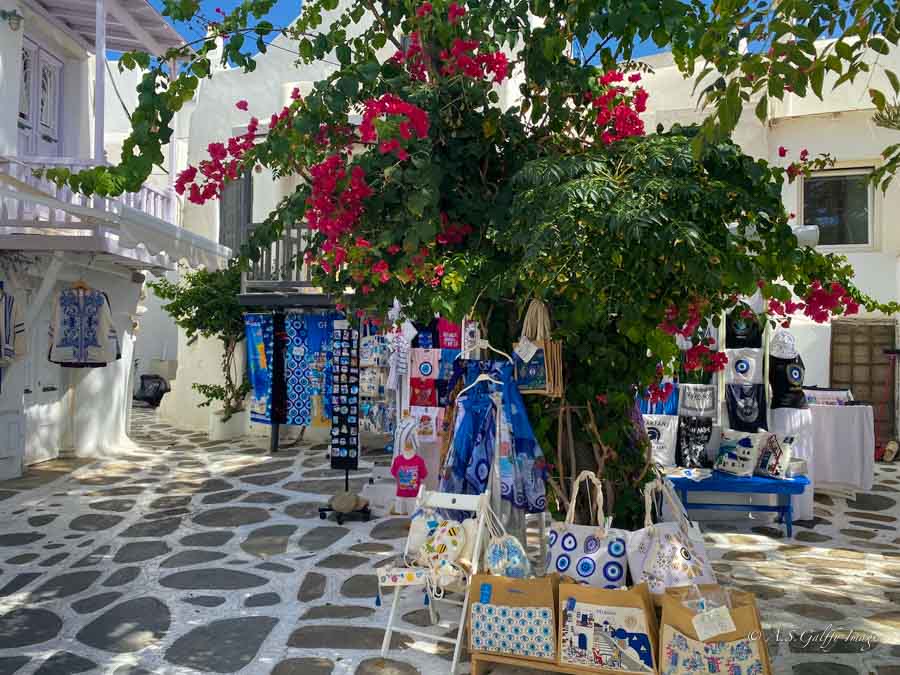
172	208
100	82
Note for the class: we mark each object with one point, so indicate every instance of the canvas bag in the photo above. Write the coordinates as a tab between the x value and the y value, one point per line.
504	612
775	457
739	452
662	430
590	554
697	400
665	555
682	652
538	359
607	631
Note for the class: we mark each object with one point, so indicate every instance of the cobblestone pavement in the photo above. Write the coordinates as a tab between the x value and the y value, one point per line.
186	556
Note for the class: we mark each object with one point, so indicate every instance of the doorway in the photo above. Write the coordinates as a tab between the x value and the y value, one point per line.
44	398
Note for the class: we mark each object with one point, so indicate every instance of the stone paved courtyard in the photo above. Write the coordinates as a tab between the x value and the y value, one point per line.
186	556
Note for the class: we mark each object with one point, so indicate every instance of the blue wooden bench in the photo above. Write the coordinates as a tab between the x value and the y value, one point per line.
725	482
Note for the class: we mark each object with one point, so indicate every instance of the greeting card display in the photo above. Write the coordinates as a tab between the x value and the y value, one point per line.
345	399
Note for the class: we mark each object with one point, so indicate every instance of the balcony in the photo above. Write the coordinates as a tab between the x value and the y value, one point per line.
28	202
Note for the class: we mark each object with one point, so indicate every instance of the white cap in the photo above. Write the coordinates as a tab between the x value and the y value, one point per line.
783	345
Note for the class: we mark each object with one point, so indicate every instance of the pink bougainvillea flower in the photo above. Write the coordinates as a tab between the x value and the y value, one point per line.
804	155
424	10
363	243
782	151
393	249
635	77
295	93
455	12
242	105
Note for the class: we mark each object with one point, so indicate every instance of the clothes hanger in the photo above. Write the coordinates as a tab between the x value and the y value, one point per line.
80	285
484	344
481	378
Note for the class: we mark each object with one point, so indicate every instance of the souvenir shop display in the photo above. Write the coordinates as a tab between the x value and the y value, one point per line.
258	332
505	555
607	630
775	457
538	358
378	412
708	629
697	400
668	406
591	554
667	554
694	435
345	446
746	405
82	332
739	452
742	332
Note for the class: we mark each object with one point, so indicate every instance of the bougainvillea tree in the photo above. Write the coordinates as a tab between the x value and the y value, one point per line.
498	155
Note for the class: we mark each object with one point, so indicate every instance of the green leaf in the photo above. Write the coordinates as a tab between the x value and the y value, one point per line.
343	54
892	78
762	109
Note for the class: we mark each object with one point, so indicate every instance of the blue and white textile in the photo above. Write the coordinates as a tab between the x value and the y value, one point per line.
82	333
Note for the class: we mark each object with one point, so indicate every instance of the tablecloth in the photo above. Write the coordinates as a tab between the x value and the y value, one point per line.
844	445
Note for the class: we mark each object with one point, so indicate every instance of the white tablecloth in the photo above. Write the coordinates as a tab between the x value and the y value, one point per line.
844	445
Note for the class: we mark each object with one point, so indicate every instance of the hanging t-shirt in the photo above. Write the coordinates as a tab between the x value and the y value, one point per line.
449	334
693	436
786	377
741	332
745	366
424	363
445	367
409	473
426	423
662	431
746	407
697	400
422	392
427	337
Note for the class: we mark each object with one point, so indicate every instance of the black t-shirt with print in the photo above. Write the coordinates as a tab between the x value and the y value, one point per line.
741	332
746	407
786	378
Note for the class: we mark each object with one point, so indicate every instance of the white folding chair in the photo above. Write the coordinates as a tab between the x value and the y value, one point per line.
413	575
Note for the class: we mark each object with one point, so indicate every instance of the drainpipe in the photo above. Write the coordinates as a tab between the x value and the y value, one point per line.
100	83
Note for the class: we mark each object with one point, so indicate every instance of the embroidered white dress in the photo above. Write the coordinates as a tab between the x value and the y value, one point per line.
12	330
82	333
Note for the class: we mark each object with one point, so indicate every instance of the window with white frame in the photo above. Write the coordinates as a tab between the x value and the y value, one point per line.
48	96
840	203
25	111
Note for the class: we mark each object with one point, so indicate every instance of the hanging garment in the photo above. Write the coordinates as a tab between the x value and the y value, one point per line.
424	363
427	335
427	429
449	334
667	407
693	437
12	330
82	333
745	366
741	332
422	392
519	486
662	430
258	331
445	366
697	400
786	377
746	407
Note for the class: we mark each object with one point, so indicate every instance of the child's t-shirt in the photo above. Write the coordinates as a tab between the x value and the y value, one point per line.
410	473
425	363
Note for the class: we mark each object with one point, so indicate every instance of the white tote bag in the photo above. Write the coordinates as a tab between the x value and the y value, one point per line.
590	554
665	555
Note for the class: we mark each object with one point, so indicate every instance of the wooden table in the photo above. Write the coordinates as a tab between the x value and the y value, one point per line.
480	662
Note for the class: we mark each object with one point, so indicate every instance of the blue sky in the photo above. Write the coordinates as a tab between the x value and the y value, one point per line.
282	14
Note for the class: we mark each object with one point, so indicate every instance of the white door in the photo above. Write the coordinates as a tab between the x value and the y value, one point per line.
40	97
45	416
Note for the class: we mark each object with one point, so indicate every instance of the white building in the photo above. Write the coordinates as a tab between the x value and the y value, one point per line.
52	113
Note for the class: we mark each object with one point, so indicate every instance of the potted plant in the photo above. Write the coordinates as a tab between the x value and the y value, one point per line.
205	304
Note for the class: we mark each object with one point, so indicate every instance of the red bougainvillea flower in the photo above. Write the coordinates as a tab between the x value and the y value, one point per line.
295	94
602	399
618	108
390	105
804	155
782	151
424	10
455	12
393	249
242	105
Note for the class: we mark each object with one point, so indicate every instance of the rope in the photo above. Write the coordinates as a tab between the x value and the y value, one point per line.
536	326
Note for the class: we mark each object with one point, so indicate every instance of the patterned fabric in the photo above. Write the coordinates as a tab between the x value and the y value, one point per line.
517	631
12	330
297	371
746	407
82	333
664	556
745	366
258	331
588	554
616	638
681	655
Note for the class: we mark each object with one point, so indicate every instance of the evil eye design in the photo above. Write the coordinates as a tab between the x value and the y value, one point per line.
517	613
569	542
586	567
613	571
545	615
653	433
795	375
591	544
742	366
562	563
616	547
685	553
426	369
553	537
482	470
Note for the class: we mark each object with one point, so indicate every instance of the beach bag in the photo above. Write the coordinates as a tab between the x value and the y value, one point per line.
775	457
514	617
662	430
504	556
739	452
724	639
607	631
665	555
537	358
590	554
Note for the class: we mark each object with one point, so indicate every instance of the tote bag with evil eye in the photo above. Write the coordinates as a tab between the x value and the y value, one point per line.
591	554
667	554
